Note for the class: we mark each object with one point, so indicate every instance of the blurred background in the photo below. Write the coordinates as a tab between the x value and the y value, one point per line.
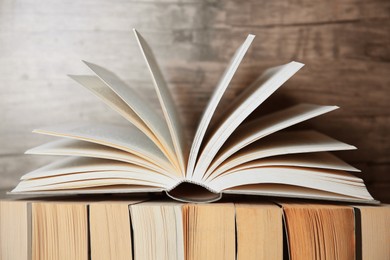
344	44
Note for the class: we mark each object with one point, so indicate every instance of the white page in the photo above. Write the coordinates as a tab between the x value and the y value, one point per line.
214	101
126	138
320	160
165	230
76	169
167	104
75	164
95	189
72	186
268	189
261	127
70	147
108	96
280	144
309	178
144	111
249	100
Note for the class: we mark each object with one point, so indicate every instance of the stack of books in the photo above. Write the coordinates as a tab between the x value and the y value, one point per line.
165	229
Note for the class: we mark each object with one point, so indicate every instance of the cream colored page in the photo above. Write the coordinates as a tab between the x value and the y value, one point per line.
268	189
321	160
336	182
15	229
73	169
281	144
108	96
71	165
109	226
259	231
144	111
70	147
213	102
158	230
256	94
250	132
114	177
178	215
167	104
126	138
375	223
93	185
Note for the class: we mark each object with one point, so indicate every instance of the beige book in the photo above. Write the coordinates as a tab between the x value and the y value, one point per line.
158	230
110	230
373	232
259	231
209	231
15	230
65	228
228	154
316	231
59	230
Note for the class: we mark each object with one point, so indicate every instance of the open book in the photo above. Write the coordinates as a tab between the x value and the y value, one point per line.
227	155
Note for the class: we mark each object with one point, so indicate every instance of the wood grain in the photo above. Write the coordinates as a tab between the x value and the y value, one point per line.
345	46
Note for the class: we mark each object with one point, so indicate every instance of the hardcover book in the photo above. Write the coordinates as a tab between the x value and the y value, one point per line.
228	154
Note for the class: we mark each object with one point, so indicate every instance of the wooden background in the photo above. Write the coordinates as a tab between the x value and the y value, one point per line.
344	44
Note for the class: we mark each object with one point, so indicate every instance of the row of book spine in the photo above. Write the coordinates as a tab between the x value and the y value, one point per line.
120	229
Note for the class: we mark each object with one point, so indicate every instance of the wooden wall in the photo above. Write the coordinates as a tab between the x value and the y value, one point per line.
344	44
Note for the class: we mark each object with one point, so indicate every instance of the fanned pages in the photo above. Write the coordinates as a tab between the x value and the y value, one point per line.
108	96
75	170
168	106
260	157
320	160
124	138
214	100
71	147
249	100
145	112
264	126
280	144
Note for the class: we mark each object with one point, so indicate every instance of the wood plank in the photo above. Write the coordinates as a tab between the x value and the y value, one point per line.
306	12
